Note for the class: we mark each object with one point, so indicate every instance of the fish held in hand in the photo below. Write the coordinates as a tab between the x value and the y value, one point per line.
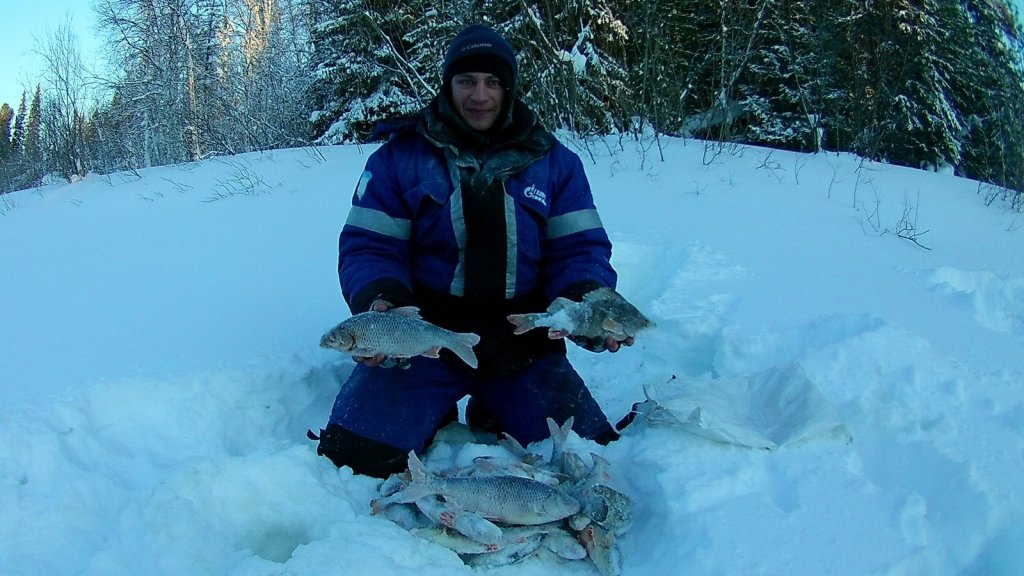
603	312
398	333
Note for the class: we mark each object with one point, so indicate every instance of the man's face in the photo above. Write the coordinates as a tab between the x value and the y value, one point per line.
478	98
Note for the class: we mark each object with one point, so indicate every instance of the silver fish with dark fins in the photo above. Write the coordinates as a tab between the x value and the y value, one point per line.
506	499
398	333
603	312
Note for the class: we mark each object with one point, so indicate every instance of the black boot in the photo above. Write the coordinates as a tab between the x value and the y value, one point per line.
361	454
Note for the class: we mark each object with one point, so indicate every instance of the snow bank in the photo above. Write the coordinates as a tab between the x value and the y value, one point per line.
159	368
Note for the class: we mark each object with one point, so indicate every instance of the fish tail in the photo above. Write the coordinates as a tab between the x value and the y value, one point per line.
525	322
417	469
462	346
559	439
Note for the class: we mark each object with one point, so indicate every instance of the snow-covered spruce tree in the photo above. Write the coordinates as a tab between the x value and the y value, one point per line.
11	168
377	59
428	40
110	137
667	56
921	126
986	48
35	163
891	100
689	58
571	58
6	154
362	70
739	29
24	163
18	131
6	118
782	89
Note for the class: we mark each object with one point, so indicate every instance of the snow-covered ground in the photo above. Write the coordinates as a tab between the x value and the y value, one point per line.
159	368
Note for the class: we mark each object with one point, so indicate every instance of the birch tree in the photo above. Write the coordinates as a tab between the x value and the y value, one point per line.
66	98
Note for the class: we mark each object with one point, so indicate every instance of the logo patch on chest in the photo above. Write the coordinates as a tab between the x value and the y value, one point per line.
534	193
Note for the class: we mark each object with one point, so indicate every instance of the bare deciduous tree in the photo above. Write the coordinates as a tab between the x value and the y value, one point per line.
65	98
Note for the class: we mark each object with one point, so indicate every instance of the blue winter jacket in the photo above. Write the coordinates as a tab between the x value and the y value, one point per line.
406	235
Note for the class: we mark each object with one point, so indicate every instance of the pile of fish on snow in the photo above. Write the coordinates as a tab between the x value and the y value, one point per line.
500	511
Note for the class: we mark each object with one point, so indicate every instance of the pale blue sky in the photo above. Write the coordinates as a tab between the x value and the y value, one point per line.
29	21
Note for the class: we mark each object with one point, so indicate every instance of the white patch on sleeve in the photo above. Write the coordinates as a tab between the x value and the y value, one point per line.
364	180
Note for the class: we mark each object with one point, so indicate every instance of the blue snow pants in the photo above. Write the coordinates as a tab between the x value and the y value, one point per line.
403	408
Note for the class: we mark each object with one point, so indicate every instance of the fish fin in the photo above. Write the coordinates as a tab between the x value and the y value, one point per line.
466	354
602	549
512	445
552	427
564	545
602	293
487	466
567	426
559	439
560	433
432	352
613	327
473	526
463	347
524	322
560	304
556	443
417	469
409	311
407	495
601	471
555	334
648	388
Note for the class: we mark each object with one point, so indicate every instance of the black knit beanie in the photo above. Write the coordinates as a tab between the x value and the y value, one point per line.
479	48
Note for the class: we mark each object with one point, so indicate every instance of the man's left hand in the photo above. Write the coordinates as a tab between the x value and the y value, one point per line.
597	344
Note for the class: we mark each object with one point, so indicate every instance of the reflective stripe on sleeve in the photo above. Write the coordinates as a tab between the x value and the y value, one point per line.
573	222
511	248
379	222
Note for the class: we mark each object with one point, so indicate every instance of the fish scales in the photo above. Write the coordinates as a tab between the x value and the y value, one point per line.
398	333
459	506
603	312
507	499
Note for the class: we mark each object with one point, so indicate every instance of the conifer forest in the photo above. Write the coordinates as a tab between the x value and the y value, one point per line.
931	84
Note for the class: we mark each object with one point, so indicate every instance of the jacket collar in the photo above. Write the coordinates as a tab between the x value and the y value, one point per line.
521	131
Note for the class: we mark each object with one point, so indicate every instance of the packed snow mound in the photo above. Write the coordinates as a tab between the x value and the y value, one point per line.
996	299
769	410
159	368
